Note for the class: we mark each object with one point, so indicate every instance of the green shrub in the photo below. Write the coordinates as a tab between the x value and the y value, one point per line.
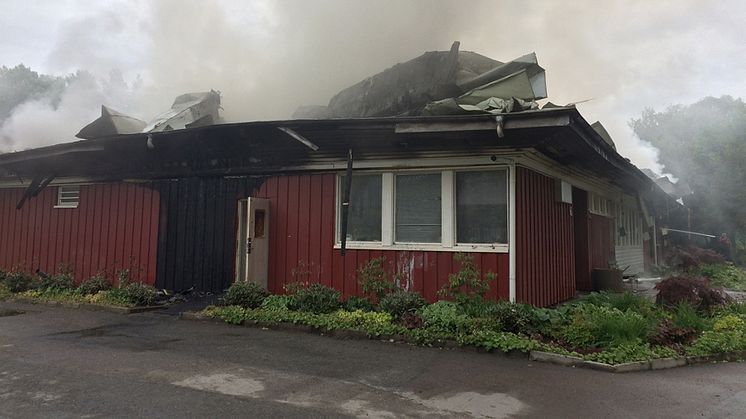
601	326
735	308
229	314
517	318
132	294
399	302
502	341
371	322
467	286
60	282
245	294
631	352
4	292
94	284
728	335
317	299
17	281
686	316
724	275
622	301
277	302
374	280
442	316
358	303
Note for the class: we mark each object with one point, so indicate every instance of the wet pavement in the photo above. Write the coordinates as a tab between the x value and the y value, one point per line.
57	362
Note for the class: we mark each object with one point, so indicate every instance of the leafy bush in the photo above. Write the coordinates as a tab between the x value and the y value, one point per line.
374	280
60	282
133	293
4	292
517	318
245	294
277	302
622	301
364	320
505	342
17	281
695	291
317	299
601	326
94	284
358	303
412	320
292	288
442	316
631	352
691	257
727	335
467	286
399	302
724	275
685	316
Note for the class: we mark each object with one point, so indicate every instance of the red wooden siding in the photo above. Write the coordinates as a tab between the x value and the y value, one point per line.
115	226
545	258
602	248
302	224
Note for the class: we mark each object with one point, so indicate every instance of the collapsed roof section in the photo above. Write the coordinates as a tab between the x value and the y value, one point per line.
440	83
188	110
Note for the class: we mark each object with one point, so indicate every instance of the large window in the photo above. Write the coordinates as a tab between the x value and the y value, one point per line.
364	217
481	207
418	208
451	209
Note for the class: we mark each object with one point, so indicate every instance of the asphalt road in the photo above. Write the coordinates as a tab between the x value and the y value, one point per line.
58	362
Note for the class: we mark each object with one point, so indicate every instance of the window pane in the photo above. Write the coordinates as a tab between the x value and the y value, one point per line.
418	208
481	207
364	219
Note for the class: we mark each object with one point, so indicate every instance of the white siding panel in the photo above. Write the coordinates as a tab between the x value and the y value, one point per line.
631	256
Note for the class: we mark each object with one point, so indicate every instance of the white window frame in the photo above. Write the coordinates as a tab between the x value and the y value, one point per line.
448	213
68	196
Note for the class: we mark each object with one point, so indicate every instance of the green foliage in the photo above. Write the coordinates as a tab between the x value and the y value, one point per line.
735	308
94	284
631	352
505	342
18	281
724	275
61	281
4	292
399	302
517	318
621	301
374	280
358	303
277	302
317	299
229	314
602	326
245	294
132	294
686	316
467	286
442	316
727	335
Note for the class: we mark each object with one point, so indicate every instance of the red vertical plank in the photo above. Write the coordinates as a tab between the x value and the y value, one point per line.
270	192
430	275
282	231
292	227
304	214
328	202
314	239
348	276
445	260
104	220
154	229
137	209
95	219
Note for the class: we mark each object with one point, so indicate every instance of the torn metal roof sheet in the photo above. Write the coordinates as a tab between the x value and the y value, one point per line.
188	110
109	123
440	83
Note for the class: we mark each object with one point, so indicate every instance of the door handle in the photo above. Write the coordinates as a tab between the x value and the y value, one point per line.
248	245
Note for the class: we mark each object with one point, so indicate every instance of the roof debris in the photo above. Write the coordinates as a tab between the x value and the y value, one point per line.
440	83
188	110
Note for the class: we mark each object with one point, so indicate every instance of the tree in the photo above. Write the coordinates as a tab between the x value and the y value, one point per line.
704	145
19	84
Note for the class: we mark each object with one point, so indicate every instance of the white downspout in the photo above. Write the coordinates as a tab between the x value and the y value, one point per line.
511	233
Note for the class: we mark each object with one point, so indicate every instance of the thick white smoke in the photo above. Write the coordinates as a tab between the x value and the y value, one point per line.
268	57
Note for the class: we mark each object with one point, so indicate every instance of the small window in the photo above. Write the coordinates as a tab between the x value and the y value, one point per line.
418	208
68	196
364	216
481	207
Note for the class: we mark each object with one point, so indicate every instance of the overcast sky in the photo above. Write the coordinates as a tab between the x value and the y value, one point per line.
267	57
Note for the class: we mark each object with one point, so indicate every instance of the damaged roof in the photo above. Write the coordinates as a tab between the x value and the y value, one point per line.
440	83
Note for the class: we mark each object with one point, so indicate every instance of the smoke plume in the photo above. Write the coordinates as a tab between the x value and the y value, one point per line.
268	57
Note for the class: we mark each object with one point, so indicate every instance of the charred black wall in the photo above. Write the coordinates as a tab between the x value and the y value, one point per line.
197	231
